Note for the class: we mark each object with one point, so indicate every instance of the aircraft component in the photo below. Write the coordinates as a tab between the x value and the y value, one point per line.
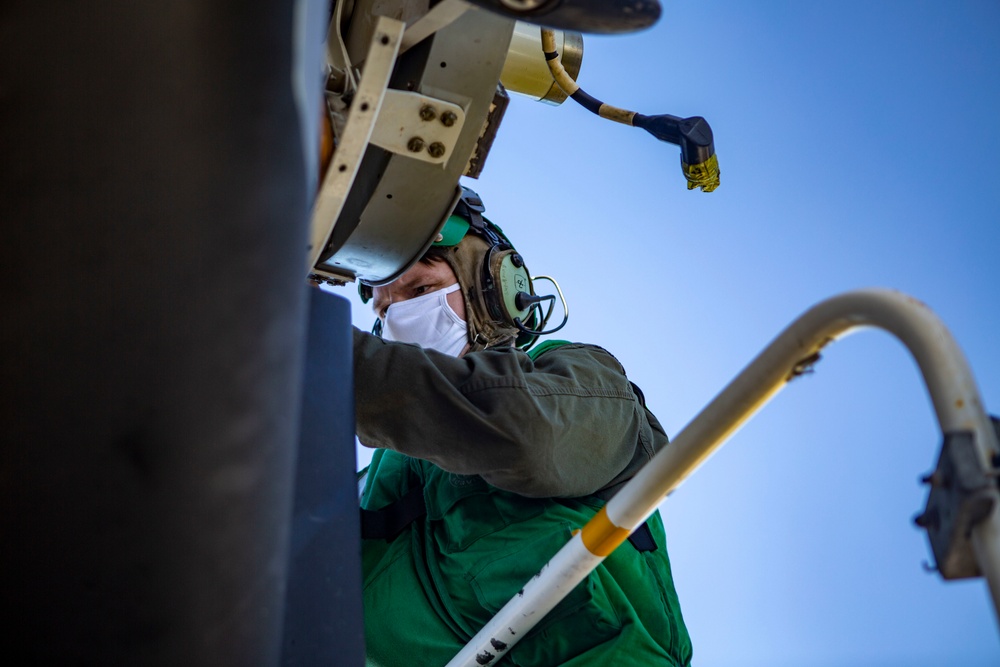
323	602
397	204
418	126
353	141
602	16
440	15
963	494
526	72
698	160
156	196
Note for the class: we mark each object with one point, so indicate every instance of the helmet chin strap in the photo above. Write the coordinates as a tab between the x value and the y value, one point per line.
480	339
478	342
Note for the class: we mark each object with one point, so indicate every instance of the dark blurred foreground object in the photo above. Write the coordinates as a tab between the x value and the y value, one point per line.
323	611
154	200
600	16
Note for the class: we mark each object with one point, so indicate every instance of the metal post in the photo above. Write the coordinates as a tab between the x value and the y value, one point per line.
949	381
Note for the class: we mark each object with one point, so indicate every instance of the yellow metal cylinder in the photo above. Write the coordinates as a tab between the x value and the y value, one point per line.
525	70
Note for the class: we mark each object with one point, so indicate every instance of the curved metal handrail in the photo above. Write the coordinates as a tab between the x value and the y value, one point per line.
949	381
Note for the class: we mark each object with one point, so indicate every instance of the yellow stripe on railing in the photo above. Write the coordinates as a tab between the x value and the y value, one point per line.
601	536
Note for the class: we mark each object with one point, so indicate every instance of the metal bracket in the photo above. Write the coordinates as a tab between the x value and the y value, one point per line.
439	16
360	123
418	126
963	493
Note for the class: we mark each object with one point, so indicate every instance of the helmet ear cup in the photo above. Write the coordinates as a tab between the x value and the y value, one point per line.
504	277
512	275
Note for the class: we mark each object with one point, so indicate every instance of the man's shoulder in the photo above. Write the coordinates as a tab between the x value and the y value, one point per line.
547	346
554	351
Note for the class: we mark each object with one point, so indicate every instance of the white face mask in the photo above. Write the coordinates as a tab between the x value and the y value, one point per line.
428	321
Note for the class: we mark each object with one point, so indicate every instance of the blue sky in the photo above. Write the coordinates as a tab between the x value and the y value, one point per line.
859	144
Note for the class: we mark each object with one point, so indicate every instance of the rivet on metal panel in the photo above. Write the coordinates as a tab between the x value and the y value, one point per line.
436	149
415	144
427	112
448	118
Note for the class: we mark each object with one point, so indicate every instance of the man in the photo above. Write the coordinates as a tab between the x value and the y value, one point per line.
488	458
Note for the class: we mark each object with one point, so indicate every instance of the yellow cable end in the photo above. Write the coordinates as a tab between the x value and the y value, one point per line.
704	175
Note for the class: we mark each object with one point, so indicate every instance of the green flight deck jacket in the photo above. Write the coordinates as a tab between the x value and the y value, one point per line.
510	454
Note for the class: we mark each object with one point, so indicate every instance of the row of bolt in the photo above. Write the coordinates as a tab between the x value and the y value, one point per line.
436	149
416	144
427	112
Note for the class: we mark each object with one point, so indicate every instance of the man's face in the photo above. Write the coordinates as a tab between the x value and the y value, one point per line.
419	279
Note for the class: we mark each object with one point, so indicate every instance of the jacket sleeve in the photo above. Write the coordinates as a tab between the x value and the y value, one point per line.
566	425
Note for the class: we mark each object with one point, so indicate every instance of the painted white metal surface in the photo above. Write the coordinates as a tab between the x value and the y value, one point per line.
440	15
408	116
950	383
946	373
361	118
557	578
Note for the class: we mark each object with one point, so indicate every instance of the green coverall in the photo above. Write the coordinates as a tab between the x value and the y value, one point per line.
512	454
